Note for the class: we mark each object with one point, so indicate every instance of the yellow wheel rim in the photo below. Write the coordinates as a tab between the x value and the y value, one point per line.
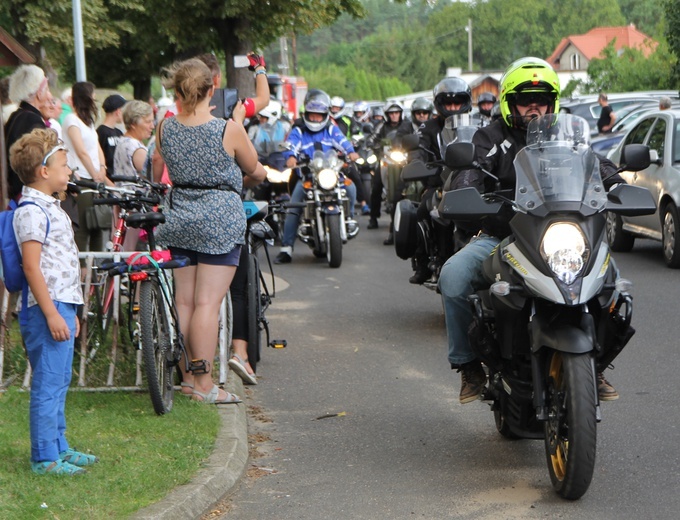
559	458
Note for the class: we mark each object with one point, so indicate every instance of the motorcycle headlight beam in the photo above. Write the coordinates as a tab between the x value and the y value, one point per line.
327	179
565	251
398	156
372	159
360	161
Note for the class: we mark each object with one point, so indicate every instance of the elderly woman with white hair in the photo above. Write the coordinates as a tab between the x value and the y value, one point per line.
28	87
130	156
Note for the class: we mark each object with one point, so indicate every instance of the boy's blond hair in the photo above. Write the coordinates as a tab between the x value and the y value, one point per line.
27	154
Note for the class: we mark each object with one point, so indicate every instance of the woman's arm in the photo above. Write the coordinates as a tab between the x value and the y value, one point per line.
139	159
76	137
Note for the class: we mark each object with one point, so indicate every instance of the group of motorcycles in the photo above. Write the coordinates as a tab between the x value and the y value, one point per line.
556	312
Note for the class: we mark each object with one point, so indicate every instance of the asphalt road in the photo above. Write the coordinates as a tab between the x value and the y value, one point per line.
365	344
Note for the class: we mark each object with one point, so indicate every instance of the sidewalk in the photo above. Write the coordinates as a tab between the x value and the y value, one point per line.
224	468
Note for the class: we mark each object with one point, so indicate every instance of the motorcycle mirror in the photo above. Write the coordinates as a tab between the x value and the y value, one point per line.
631	201
367	128
466	204
410	142
460	155
635	157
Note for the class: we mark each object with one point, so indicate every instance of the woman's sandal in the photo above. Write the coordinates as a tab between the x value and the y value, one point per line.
58	467
78	458
211	397
189	386
238	365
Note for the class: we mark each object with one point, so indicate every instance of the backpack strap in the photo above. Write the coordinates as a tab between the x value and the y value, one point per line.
24	289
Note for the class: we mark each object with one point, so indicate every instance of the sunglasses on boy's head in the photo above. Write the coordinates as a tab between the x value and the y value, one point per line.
54	150
454	100
525	99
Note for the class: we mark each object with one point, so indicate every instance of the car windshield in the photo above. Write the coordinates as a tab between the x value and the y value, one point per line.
558	165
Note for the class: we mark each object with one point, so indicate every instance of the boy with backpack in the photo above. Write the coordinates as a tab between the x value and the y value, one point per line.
48	320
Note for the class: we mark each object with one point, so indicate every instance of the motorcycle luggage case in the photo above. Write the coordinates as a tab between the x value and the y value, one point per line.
405	229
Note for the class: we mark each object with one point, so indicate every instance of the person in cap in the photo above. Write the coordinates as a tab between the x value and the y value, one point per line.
108	132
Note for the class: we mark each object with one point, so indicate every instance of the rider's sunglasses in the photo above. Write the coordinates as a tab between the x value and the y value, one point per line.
420	113
524	99
454	100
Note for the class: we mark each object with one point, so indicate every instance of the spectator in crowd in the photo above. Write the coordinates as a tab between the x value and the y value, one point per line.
607	115
87	157
8	106
28	87
664	103
48	319
66	104
108	132
205	157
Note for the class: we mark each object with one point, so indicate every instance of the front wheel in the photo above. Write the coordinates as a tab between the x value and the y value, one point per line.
254	295
334	240
571	430
669	229
618	239
156	345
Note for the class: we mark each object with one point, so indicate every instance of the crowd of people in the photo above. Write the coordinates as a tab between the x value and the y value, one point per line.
209	161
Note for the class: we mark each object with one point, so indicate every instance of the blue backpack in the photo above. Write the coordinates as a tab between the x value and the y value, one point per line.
11	269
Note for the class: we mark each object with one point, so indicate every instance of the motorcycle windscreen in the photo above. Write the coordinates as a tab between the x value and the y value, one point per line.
558	167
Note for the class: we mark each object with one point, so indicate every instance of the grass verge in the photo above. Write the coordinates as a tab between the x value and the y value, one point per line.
142	455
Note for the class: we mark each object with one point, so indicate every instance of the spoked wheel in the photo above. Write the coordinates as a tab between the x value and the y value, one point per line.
618	239
334	241
156	346
571	431
254	296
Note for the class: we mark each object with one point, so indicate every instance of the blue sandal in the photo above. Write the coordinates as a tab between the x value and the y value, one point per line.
57	467
77	458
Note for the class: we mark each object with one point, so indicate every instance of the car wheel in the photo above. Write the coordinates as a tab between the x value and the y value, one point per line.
669	229
618	239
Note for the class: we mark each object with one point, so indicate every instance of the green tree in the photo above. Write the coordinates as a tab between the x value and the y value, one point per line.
672	12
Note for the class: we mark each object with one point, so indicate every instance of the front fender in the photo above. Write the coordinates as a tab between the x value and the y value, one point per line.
569	339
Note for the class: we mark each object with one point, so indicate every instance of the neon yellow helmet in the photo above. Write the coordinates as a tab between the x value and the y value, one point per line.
528	75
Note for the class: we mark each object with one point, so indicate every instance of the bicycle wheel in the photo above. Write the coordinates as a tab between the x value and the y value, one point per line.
254	296
156	345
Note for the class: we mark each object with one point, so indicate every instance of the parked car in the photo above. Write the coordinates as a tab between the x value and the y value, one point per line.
626	118
660	131
589	109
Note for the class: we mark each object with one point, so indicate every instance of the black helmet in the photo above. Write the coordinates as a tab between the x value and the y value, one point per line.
452	89
485	97
317	102
421	104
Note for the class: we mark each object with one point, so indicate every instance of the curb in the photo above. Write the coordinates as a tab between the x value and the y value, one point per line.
224	468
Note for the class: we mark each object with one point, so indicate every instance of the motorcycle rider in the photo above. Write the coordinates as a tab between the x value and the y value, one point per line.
268	136
421	112
317	133
530	88
453	101
485	103
361	115
384	131
338	115
377	116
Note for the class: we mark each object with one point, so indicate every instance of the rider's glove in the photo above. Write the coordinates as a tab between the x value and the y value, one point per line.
255	61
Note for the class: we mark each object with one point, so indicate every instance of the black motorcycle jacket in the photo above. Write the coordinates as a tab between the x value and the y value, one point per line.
496	146
384	132
407	127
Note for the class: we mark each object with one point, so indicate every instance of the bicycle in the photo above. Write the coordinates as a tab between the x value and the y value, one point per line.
161	340
259	234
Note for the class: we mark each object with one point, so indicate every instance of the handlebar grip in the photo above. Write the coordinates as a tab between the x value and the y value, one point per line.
112	201
125	178
89	184
292	205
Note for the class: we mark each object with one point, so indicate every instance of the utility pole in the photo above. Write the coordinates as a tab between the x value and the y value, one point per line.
469	31
81	75
283	55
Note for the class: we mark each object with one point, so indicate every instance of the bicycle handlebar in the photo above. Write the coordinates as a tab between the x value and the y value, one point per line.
122	267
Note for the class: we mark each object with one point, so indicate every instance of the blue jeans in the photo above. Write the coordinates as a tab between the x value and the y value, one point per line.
460	277
51	364
293	216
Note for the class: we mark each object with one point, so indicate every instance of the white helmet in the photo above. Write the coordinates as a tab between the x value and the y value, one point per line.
272	111
337	101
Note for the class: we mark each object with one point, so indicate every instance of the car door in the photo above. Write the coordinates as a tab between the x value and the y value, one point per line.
653	178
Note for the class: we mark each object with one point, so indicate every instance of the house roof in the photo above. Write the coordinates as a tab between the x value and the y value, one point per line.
12	52
592	43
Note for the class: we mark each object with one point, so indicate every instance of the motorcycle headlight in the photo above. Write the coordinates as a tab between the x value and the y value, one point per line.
327	179
276	176
398	156
360	161
372	159
564	250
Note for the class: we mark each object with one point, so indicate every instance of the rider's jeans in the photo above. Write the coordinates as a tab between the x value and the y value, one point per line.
293	216
460	277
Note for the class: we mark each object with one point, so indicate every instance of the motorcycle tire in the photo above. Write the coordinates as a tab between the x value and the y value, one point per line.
571	431
405	229
334	238
499	415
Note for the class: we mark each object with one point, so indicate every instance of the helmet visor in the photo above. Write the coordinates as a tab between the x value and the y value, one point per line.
524	99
